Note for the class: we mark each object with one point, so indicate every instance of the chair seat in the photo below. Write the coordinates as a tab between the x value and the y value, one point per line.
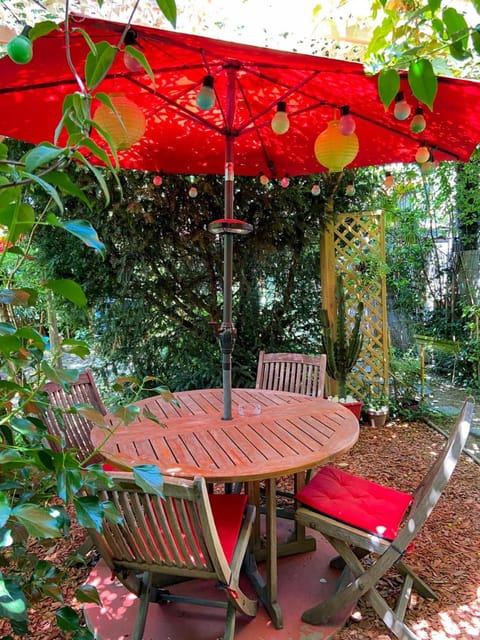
356	501
228	510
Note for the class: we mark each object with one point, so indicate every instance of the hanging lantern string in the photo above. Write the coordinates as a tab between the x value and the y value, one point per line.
15	17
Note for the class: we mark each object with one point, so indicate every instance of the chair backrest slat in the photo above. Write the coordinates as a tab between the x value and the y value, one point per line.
294	372
73	428
175	533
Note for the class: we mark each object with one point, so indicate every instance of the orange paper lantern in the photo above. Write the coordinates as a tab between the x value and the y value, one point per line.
334	150
126	126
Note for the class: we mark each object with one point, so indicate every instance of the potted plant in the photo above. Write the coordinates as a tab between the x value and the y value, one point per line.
376	408
342	344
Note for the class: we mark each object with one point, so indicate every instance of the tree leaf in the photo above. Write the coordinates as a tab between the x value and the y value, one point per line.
61	180
90	413
388	85
38	521
169	10
127	413
41	155
42	29
89	511
13	604
98	63
88	593
141	59
69	289
149	478
48	188
20	297
67	619
83	229
5	509
423	81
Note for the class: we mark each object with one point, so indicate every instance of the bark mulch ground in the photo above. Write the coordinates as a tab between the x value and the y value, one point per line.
446	553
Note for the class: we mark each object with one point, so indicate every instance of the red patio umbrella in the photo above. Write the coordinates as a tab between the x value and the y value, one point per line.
235	135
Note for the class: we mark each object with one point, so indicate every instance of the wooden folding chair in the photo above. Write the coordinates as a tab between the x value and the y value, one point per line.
72	430
294	372
187	533
357	515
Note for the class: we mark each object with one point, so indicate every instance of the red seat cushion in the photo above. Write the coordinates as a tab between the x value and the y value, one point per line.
228	510
356	501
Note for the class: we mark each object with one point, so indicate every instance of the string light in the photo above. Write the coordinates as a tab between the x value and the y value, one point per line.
206	95
280	122
20	49
418	122
264	179
347	122
389	180
402	108
423	154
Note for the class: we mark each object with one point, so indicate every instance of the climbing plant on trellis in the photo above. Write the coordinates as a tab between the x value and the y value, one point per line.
354	245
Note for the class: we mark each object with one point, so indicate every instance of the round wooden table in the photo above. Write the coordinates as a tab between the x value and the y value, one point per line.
292	433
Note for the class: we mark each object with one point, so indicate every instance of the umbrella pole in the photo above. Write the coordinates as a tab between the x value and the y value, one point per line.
227	332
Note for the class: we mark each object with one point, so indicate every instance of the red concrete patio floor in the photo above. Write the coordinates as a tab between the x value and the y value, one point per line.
304	580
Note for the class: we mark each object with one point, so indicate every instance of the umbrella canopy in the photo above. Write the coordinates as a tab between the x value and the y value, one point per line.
249	82
234	135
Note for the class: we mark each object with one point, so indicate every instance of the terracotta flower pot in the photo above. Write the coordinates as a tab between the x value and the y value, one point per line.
377	418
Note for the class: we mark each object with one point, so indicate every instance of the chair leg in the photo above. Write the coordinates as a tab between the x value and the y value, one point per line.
230	623
420	586
143	603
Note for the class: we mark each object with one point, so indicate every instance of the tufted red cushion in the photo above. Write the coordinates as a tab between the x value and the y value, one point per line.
355	501
228	510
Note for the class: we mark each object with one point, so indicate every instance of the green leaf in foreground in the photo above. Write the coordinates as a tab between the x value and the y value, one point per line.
83	229
388	85
69	289
12	601
149	478
423	81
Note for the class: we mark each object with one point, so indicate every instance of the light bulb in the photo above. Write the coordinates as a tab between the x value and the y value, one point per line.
193	192
206	95
422	155
131	63
350	189
264	179
280	121
418	122
402	108
347	124
157	181
315	190
389	180
20	49
429	166
285	181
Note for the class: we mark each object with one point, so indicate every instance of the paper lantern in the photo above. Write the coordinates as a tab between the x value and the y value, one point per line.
127	127
334	150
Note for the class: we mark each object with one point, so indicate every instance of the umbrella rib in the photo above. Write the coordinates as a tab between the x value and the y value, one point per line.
178	107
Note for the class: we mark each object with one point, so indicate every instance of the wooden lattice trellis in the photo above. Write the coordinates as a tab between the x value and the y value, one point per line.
354	245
